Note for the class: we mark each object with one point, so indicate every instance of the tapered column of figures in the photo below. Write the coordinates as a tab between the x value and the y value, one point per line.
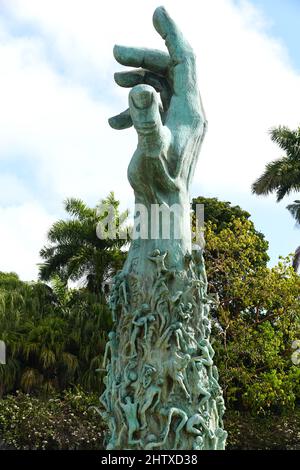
162	387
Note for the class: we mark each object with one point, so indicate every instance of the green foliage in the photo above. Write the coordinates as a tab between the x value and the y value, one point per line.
236	251
70	422
54	337
219	213
259	312
274	389
283	175
269	432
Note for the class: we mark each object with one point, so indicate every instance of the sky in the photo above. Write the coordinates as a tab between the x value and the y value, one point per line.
57	92
282	19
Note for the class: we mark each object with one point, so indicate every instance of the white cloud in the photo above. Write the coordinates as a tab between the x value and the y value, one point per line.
57	91
23	231
12	190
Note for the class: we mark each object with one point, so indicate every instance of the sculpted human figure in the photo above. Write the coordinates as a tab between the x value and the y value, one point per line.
221	409
207	359
207	352
182	311
193	423
130	410
159	259
198	443
113	304
184	339
163	310
122	287
218	439
170	413
140	321
119	294
189	263
130	373
200	384
112	429
148	373
160	291
210	301
105	398
177	330
171	330
153	390
111	346
160	295
175	369
200	270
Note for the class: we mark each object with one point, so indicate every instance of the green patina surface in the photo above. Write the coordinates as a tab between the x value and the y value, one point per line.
162	389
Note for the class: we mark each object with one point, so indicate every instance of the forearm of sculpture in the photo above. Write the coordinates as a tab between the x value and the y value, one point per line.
105	355
187	142
160	169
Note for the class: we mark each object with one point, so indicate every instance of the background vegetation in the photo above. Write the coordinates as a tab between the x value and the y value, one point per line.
55	334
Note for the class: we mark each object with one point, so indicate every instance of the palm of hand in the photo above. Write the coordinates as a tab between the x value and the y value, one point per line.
165	109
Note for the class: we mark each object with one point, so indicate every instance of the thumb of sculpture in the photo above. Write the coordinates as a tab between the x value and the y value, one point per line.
144	106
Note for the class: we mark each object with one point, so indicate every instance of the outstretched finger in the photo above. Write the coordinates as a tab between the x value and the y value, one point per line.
151	59
177	45
121	121
139	77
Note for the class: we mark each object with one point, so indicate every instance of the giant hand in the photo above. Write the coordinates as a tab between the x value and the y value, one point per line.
165	109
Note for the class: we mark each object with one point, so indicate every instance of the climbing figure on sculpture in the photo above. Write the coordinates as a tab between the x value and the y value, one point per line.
140	321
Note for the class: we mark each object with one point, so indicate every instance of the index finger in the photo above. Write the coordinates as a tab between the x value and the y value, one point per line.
150	59
177	45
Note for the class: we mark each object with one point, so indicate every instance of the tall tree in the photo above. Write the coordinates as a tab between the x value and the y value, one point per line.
220	216
258	311
75	251
283	175
55	337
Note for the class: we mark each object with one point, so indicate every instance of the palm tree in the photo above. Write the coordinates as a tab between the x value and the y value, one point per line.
55	336
34	334
75	252
283	175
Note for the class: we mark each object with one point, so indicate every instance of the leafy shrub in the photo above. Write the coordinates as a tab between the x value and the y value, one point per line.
274	390
56	423
259	312
70	423
248	432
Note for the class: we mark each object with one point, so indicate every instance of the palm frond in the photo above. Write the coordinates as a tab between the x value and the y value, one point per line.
281	176
77	208
296	259
294	209
287	139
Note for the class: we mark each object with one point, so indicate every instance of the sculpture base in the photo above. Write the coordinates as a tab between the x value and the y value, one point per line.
162	389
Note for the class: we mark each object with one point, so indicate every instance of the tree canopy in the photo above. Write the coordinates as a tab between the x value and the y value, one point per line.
56	335
259	312
75	252
282	176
